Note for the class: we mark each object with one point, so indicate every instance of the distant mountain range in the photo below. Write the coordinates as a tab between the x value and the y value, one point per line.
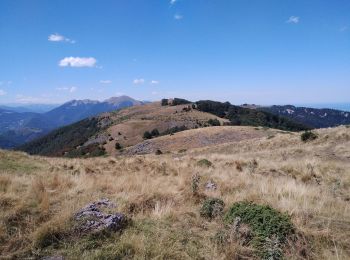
312	117
34	108
17	127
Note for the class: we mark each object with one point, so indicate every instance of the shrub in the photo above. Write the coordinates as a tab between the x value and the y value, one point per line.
155	132
164	102
268	225
212	208
147	135
159	152
308	136
204	163
195	183
214	122
180	101
118	146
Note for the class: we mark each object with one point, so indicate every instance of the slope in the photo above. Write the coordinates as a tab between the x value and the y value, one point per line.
163	196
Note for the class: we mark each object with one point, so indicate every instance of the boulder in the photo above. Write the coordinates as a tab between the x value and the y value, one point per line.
92	218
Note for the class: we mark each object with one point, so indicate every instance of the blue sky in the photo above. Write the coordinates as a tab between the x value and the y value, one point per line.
254	51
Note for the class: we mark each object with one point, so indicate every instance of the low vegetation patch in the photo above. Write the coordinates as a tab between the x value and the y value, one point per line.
308	136
214	122
270	227
212	208
204	163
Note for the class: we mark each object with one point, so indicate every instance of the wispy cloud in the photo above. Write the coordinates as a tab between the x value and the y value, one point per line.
293	19
2	92
107	81
77	62
178	17
138	81
172	2
154	82
69	89
59	38
29	100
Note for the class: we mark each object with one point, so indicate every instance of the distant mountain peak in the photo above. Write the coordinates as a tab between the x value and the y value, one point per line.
75	102
123	98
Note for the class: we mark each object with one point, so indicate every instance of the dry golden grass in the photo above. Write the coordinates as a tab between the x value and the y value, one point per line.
309	181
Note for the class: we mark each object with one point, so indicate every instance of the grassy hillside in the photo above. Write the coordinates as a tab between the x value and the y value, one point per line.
274	197
124	129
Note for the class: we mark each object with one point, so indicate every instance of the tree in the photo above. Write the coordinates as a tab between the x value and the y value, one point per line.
118	146
147	135
155	132
164	102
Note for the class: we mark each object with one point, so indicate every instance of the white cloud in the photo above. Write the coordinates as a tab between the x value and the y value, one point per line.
107	81
154	93
172	2
77	62
59	38
69	89
138	81
293	19
178	17
154	82
2	92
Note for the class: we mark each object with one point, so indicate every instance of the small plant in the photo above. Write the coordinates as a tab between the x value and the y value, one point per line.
204	163
195	183
147	135
308	136
158	152
118	146
270	227
212	208
214	122
155	132
252	165
182	150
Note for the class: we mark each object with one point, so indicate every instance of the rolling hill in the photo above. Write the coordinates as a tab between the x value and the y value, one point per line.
117	132
211	202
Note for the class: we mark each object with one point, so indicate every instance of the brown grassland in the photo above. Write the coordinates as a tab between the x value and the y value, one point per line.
309	181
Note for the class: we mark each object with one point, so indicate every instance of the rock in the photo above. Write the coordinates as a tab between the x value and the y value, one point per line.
91	218
210	185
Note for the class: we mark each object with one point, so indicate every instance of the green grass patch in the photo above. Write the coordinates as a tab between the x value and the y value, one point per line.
212	208
204	163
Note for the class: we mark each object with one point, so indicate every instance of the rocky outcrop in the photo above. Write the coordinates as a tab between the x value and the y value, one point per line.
92	218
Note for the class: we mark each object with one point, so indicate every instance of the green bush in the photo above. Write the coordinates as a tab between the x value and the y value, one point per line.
164	102
204	163
155	132
147	135
212	208
214	122
308	136
118	146
267	225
